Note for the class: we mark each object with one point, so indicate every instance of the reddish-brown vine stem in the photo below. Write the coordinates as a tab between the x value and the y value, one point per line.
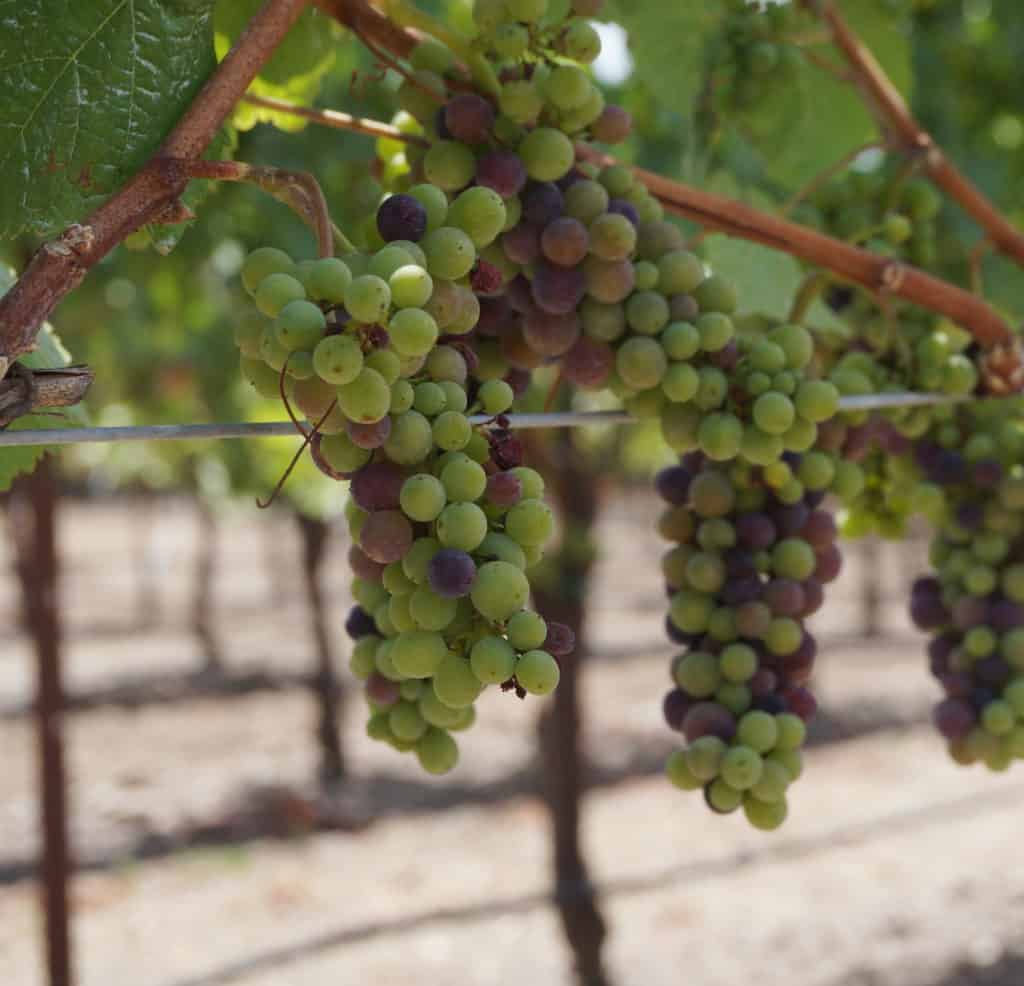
893	114
867	269
152	194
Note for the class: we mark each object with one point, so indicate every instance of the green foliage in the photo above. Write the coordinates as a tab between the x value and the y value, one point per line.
89	98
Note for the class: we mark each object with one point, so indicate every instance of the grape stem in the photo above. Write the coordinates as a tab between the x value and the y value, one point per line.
152	195
871	271
338	120
823	177
298	190
904	131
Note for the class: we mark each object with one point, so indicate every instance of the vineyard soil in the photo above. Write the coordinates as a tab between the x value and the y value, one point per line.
908	860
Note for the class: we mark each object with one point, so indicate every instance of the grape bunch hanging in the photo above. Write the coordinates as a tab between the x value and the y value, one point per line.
500	247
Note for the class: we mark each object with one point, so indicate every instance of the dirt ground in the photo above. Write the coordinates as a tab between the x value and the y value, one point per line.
895	867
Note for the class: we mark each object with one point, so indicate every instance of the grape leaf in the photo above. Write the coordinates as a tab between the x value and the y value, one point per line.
90	90
295	70
808	124
668	39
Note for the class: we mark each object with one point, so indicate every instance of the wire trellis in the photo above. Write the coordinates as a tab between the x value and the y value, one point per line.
283	429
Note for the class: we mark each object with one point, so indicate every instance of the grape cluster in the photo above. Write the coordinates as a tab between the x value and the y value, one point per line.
745	572
444	517
973	606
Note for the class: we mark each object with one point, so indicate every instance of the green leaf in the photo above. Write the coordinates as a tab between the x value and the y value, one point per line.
48	354
90	90
295	70
668	39
807	125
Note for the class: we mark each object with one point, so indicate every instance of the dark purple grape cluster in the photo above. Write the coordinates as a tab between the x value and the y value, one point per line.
744	573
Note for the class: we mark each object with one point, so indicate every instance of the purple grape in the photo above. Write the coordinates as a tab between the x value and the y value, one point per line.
377	486
927	585
727	357
674	708
956	684
790	519
363	566
589	363
928	612
819	530
381	690
570	178
980	697
504	489
800	702
614	124
829	564
673	632
967	612
386	536
772	704
551	335
814	596
560	641
954	718
785	597
709	719
673	484
369	436
565	241
495	316
558	290
763	683
519	381
502	172
519	294
623	208
948	468
542	202
451	573
745	589
522	244
486	280
970	516
1005	615
683	308
993	671
987	474
740	564
401	217
359	623
755	531
469	118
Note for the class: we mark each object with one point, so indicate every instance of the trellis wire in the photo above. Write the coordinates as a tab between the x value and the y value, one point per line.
282	429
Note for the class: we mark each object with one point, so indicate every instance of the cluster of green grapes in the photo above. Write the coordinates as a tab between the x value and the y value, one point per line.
746	569
973	606
883	210
443	516
757	51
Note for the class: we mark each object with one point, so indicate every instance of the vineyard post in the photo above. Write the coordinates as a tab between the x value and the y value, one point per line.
33	519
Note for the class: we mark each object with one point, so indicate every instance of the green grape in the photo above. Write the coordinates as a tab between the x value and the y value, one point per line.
415	563
368	298
479	212
431	611
263	262
679	272
530	522
338	359
266	382
450	253
580	42
526	11
454	682
680	382
816	400
758	730
526	630
720	436
493	660
773	783
502	548
647	312
418	653
774	413
641	363
715	294
432	55
715	330
430	398
437	752
612	237
434	201
511	41
412	332
422	497
679	773
521	100
741	767
341	454
455	398
738	663
405	721
449	165
464	480
547	154
410	440
386	363
276	291
783	636
496	397
606	322
680	340
452	431
538	672
499	590
366	398
698	674
586	201
327	279
300	366
704	757
531	481
462	526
